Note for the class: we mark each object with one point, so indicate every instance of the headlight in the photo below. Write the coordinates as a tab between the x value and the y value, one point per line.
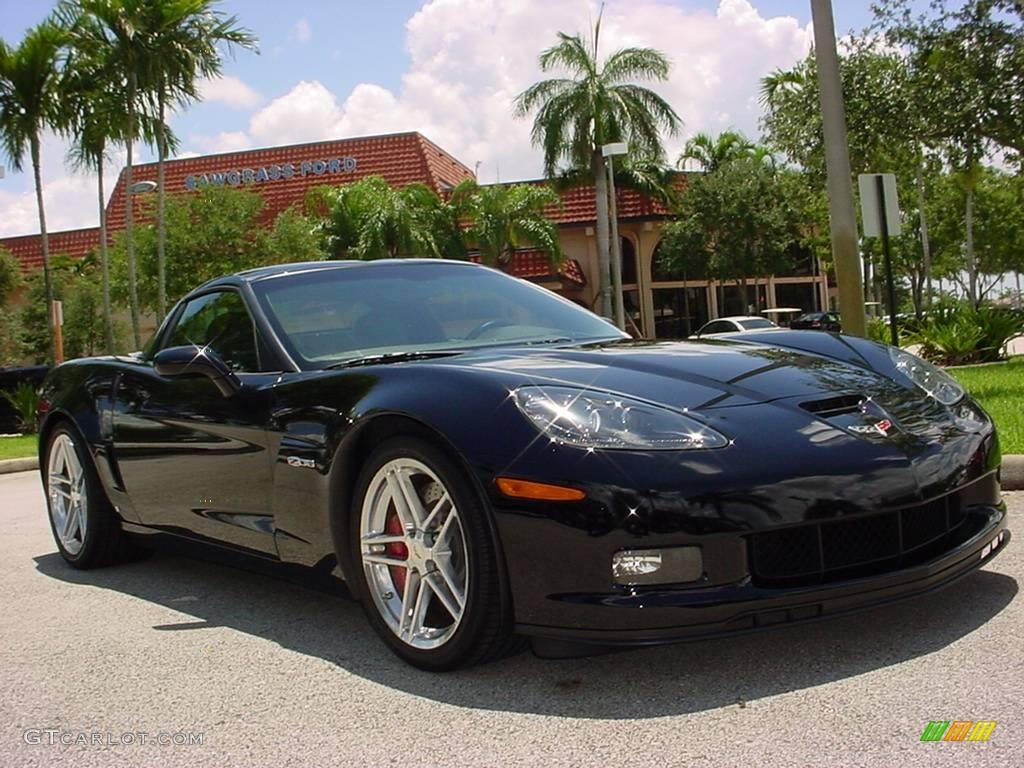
596	420
932	379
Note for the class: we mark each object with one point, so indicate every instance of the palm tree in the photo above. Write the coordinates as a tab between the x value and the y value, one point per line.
184	36
30	103
599	104
97	118
502	218
711	152
370	219
118	27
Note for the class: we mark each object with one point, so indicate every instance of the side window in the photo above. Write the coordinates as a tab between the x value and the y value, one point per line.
718	327
221	322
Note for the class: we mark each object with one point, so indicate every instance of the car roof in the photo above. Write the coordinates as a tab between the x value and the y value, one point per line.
262	273
737	318
257	274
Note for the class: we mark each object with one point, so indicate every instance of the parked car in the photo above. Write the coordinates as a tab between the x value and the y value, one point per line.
818	321
482	460
735	324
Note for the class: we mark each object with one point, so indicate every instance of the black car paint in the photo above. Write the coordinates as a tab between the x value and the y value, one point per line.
177	457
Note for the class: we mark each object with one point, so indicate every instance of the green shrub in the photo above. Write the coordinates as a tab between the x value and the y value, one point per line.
878	330
961	335
24	400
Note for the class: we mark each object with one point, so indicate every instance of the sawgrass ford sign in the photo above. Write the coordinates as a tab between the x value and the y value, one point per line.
276	172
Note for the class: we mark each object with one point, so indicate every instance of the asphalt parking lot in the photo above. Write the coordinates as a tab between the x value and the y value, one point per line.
269	671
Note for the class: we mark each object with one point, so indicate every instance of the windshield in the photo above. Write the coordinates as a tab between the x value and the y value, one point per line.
329	316
755	323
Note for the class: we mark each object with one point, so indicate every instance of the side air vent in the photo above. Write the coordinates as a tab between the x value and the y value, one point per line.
834	406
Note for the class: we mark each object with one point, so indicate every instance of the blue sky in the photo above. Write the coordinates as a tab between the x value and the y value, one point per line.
448	68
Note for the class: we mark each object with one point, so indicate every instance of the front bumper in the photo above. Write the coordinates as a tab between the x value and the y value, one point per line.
693	614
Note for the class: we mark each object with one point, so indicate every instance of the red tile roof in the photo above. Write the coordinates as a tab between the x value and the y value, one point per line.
579	206
283	174
532	264
75	243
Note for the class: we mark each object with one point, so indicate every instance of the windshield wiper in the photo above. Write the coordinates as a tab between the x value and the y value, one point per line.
552	340
392	357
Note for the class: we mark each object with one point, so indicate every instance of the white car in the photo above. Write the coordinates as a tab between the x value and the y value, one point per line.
736	324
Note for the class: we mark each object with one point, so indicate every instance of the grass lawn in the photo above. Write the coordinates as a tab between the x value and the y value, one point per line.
1000	390
19	447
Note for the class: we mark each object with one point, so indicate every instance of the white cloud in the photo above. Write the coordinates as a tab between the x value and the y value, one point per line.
229	90
226	141
303	32
469	61
306	113
70	199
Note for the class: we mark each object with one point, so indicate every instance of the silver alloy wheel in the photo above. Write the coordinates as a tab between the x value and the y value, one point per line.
414	553
67	491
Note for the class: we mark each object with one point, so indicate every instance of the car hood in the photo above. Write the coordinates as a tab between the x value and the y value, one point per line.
691	374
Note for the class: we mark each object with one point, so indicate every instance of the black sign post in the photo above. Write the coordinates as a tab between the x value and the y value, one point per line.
890	286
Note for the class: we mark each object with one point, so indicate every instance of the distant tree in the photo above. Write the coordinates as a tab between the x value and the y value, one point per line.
598	104
711	152
501	218
30	103
370	219
10	275
737	220
965	62
212	232
293	237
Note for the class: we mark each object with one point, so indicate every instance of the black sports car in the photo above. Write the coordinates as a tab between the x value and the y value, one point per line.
482	460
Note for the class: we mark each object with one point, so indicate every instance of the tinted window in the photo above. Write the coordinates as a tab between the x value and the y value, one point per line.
718	326
221	322
325	316
757	322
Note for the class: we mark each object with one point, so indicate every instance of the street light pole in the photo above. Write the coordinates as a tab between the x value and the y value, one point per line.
842	219
610	151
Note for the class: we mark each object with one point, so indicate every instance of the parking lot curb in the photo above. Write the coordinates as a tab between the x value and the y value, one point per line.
18	465
1012	474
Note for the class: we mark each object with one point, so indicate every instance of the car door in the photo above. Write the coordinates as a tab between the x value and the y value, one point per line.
192	460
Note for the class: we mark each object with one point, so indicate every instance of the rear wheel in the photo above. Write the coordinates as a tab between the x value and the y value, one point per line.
84	524
424	558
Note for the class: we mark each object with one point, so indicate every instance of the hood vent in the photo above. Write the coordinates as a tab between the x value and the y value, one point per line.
834	406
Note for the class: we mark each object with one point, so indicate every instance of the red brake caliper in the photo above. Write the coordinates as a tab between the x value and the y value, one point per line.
397	550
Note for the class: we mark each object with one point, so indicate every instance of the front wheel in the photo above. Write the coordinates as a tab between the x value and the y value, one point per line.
424	559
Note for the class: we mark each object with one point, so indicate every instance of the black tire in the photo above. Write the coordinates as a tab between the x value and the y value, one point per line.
104	543
484	631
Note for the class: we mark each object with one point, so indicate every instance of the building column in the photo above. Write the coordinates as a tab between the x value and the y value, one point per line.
647	241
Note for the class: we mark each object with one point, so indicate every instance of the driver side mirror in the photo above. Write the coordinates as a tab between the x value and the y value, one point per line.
193	360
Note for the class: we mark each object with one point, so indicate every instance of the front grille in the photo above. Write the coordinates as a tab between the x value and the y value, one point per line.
832	550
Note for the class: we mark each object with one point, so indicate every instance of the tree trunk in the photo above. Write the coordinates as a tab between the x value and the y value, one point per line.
161	226
603	239
972	265
926	249
129	219
842	218
44	240
108	320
